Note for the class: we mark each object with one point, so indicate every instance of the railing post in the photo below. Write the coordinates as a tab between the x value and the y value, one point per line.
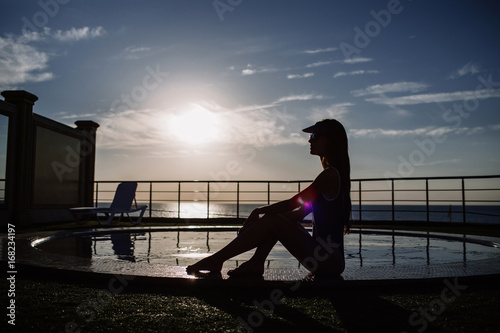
179	201
96	193
237	200
427	198
463	201
208	200
268	193
150	199
392	208
360	218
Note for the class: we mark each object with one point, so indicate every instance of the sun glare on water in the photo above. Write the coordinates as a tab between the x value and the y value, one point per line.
196	125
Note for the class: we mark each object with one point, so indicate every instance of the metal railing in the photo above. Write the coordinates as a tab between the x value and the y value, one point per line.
391	198
2	191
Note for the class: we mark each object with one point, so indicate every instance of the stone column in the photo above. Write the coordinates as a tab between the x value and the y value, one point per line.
87	155
23	156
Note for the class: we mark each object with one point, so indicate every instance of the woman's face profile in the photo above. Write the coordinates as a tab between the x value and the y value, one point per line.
318	144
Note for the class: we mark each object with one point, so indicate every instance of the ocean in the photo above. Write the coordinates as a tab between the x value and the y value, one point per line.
438	213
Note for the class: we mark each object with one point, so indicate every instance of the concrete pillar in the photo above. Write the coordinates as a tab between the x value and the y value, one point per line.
23	156
87	155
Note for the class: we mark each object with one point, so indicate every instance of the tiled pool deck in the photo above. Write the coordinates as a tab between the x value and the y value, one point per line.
36	261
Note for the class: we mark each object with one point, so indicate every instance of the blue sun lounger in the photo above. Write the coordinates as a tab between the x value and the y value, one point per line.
122	204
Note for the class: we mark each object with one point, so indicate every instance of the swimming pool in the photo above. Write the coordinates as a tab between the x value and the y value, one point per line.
184	246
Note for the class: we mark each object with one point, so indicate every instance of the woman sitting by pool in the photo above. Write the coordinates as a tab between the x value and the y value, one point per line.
328	198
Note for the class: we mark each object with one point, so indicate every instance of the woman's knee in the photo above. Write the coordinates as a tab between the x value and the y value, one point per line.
275	220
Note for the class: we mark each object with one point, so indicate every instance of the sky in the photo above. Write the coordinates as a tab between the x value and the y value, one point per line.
220	90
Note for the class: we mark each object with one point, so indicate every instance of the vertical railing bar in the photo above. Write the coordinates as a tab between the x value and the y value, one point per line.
238	200
150	199
179	200
96	193
463	201
427	208
208	200
392	191
360	209
268	193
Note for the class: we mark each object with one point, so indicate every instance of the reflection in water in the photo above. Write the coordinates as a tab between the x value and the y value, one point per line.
71	246
393	250
186	247
441	248
123	246
360	252
427	253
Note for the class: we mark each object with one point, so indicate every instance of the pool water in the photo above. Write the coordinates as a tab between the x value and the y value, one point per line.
185	247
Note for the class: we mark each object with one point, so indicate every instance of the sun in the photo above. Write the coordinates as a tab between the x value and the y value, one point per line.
196	125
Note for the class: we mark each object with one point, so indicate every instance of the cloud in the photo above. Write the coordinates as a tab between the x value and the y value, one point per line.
71	35
356	60
142	127
21	62
302	97
358	72
150	128
439	131
437	98
65	115
345	61
336	111
251	70
136	52
329	49
75	34
261	128
431	131
248	72
34	36
299	76
379	132
454	161
319	63
469	68
390	88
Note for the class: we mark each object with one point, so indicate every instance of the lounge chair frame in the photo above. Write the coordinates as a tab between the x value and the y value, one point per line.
124	203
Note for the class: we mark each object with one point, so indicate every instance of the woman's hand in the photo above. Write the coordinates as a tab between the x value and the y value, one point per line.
252	218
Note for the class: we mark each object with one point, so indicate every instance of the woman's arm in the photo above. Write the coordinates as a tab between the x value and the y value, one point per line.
299	204
295	204
326	182
278	207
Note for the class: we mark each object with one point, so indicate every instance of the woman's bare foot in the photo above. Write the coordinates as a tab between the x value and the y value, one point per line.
248	268
207	264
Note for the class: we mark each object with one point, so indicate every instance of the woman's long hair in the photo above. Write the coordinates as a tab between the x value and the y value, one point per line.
339	159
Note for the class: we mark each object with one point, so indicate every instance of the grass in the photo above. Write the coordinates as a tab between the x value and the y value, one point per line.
58	306
53	304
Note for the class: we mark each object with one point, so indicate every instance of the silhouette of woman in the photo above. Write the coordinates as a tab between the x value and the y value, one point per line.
328	198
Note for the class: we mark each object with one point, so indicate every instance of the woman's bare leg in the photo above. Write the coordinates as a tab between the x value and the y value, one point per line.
293	236
255	265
